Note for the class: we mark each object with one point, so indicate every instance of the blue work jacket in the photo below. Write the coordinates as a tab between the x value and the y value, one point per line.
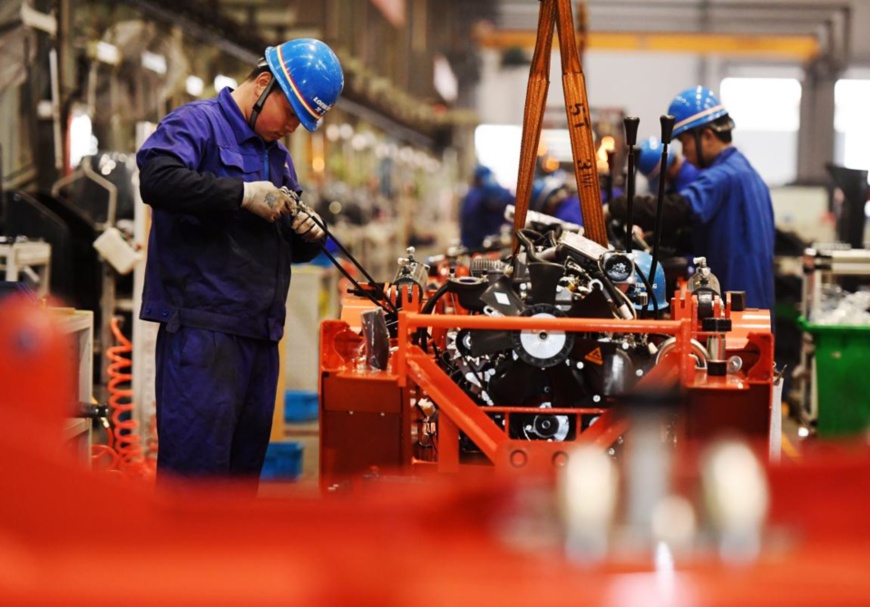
569	210
222	268
686	175
482	213
733	226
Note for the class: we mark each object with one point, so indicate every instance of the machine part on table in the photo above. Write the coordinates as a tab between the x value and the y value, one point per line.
542	219
617	266
411	271
699	352
716	329
703	277
377	339
735	363
483	267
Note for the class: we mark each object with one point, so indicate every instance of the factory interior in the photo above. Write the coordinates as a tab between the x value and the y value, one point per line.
434	302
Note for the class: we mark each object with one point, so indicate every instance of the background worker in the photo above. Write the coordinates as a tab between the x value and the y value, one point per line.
678	175
222	239
728	205
482	212
552	196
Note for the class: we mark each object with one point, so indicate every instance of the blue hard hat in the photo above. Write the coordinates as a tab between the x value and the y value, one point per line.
649	161
543	188
481	171
695	107
642	263
310	75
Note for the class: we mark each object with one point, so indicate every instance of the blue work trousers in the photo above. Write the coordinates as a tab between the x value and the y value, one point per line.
215	398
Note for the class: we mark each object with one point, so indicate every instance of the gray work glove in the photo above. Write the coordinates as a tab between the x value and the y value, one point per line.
307	224
263	199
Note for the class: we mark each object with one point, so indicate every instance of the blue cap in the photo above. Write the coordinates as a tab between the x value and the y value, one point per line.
482	172
649	161
695	107
543	188
310	76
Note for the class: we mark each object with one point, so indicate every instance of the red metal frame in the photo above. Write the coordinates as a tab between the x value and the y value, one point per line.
427	543
713	405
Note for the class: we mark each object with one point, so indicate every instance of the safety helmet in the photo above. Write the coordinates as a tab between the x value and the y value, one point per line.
483	174
310	75
642	264
649	161
696	107
543	188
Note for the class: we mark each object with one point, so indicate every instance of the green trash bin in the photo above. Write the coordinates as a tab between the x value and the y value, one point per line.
842	378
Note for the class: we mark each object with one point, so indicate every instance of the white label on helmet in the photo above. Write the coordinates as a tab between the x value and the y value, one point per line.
320	104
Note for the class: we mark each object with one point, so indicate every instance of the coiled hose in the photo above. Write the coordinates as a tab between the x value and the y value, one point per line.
123	448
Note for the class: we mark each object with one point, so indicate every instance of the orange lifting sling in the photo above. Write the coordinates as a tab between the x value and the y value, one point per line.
558	12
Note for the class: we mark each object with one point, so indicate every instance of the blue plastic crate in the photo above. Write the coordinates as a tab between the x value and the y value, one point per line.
283	462
300	406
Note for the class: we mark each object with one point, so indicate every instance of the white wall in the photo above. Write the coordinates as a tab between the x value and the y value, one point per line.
642	84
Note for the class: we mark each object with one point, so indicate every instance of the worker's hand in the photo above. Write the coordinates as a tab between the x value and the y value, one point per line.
308	224
263	199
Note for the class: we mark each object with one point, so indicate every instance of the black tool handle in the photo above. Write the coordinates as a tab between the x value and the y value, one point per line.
631	124
667	122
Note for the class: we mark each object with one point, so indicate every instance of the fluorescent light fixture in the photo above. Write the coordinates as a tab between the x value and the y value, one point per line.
850	119
221	82
194	86
40	21
107	53
444	79
81	137
154	62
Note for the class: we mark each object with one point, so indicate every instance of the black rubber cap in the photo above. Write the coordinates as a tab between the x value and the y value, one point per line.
717	367
738	300
716	325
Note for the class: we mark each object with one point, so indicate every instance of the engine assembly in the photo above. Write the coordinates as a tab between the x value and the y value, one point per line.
510	361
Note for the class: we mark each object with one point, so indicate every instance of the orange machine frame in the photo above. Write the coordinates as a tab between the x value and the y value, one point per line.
422	543
367	418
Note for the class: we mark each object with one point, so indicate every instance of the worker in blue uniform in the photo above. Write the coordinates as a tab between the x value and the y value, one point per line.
728	205
482	212
223	236
551	196
679	173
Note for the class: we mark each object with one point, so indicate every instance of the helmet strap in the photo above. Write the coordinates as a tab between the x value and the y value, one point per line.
261	101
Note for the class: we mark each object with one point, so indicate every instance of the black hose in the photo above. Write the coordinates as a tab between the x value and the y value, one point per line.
652	295
387	304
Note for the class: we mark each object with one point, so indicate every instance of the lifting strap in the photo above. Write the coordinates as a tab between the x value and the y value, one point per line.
558	13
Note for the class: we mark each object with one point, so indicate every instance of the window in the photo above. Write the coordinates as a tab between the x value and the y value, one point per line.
766	113
852	123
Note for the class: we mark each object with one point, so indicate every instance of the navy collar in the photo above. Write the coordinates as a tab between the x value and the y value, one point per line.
236	120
